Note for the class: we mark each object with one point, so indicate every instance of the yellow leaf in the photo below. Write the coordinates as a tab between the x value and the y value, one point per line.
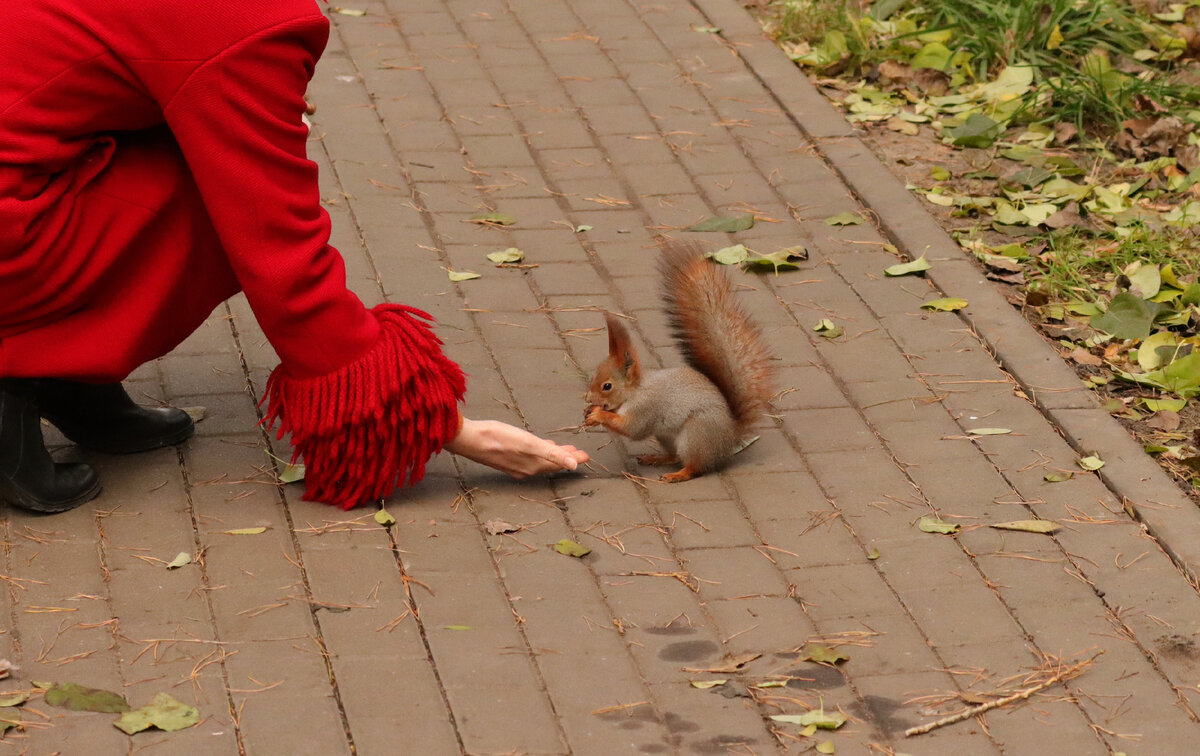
570	548
945	304
1056	38
1091	463
384	518
1028	526
246	531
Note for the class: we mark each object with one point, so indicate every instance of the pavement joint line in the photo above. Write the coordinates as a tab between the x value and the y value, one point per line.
440	244
912	228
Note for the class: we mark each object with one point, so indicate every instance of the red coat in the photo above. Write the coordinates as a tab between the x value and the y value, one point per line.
152	164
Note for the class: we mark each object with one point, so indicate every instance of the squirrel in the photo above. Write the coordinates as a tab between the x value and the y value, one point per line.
700	412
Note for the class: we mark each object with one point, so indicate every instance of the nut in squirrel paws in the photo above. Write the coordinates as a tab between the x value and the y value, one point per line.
592	414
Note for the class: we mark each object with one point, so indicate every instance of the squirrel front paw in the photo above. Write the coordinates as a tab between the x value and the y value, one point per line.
592	415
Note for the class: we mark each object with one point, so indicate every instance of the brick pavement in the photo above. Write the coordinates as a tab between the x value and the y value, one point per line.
327	634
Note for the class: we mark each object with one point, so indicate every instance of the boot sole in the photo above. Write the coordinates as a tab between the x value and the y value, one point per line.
133	446
14	496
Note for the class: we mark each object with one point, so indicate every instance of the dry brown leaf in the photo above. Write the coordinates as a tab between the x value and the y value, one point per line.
496	527
1084	357
896	71
731	666
1164	420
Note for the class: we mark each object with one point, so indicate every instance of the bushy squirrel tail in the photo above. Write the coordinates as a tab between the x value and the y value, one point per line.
713	331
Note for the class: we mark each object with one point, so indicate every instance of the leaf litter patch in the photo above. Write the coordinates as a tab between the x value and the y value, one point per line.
1064	157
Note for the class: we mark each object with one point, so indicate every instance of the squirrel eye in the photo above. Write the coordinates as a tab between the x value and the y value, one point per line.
607	386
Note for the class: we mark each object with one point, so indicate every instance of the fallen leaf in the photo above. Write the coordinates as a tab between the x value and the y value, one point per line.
164	712
706	684
988	431
510	255
14	699
1058	477
1084	357
1165	420
734	255
291	472
724	223
9	718
6	668
80	698
823	655
196	413
180	560
826	328
246	531
919	265
570	548
873	554
978	131
1157	350
817	717
384	518
496	527
1128	317
844	219
932	524
945	304
465	275
771	684
1091	463
350	11
933	55
1169	405
903	126
743	444
734	664
1144	279
825	746
896	71
777	261
493	219
581	228
1028	526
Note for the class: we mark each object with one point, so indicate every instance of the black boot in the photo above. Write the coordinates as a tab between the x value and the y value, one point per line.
103	417
29	478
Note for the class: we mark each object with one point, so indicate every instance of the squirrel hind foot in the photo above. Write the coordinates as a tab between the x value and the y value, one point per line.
658	459
687	473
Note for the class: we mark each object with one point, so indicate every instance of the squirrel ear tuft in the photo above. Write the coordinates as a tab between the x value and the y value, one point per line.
620	345
618	337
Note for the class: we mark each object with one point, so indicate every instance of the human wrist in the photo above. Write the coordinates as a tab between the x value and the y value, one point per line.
462	430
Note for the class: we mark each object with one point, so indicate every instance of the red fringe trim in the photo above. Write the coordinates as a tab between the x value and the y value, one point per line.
370	426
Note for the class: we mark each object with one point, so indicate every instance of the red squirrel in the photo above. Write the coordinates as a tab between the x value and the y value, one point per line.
699	413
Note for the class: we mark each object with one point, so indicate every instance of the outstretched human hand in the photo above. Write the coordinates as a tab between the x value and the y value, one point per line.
512	450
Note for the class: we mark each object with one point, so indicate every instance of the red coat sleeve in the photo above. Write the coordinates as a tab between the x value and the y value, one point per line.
366	395
238	121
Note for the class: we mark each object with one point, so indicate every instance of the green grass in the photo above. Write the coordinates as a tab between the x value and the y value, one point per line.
1077	265
1085	52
